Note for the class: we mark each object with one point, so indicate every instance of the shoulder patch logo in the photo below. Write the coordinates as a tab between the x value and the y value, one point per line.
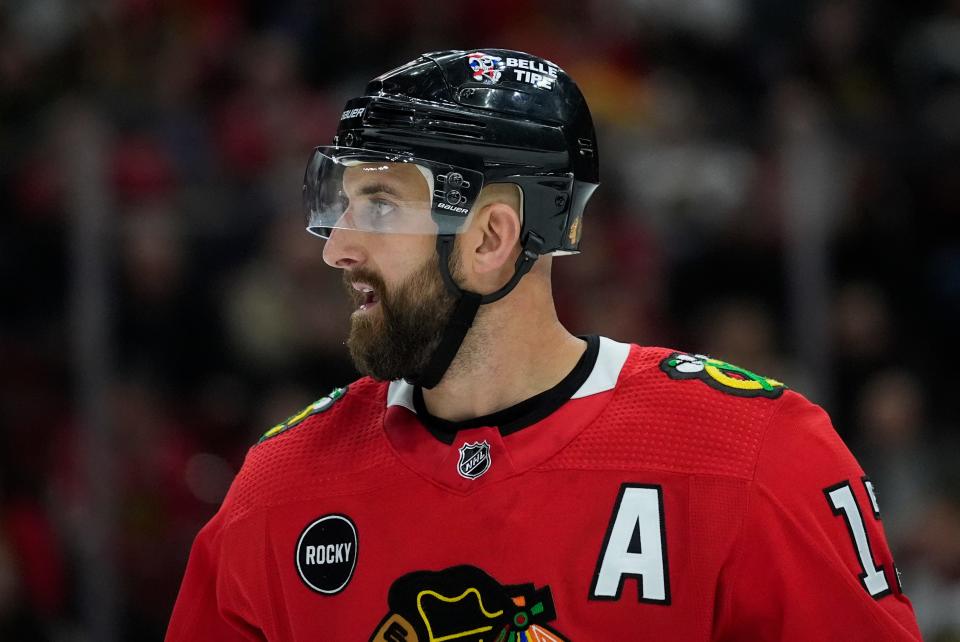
327	554
320	405
474	459
721	375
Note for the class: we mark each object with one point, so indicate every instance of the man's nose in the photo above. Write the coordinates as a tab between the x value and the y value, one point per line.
343	249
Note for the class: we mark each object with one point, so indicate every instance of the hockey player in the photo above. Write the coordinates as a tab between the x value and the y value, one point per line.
496	478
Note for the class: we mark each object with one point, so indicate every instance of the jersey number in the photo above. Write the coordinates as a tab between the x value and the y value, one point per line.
635	547
843	502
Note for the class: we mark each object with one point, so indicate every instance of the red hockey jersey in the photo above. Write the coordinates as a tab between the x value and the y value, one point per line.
651	495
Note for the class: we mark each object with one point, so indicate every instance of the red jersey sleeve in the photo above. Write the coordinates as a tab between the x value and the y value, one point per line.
812	561
211	604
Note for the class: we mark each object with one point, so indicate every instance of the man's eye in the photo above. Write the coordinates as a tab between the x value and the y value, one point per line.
380	208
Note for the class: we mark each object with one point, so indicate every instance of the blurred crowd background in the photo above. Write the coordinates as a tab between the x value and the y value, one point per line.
780	189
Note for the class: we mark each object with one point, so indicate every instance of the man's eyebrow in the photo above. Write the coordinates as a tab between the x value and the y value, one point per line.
377	188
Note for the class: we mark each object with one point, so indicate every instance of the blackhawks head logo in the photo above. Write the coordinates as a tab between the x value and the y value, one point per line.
464	604
721	375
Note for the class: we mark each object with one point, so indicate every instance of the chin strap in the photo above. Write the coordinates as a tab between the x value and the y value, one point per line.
468	304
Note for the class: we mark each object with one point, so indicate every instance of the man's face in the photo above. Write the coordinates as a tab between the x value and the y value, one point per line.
394	279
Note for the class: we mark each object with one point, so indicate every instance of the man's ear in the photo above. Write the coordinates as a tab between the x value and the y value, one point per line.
496	240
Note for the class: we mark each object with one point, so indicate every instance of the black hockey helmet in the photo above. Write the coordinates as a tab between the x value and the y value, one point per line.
464	119
507	115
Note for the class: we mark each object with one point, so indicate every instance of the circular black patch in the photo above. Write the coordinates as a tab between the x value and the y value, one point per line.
327	554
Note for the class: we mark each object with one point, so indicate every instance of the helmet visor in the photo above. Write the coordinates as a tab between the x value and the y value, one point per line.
386	192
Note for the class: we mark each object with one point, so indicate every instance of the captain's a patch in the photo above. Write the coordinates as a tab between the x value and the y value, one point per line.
721	375
320	405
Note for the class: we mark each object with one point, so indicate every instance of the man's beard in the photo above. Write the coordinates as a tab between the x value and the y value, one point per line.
397	341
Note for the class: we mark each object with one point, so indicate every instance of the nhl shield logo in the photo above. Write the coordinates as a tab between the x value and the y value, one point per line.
474	459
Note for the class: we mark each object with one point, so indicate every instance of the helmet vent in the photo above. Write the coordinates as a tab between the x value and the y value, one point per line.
381	115
390	116
455	126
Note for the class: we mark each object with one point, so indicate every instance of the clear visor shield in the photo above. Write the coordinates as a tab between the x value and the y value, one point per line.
390	193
